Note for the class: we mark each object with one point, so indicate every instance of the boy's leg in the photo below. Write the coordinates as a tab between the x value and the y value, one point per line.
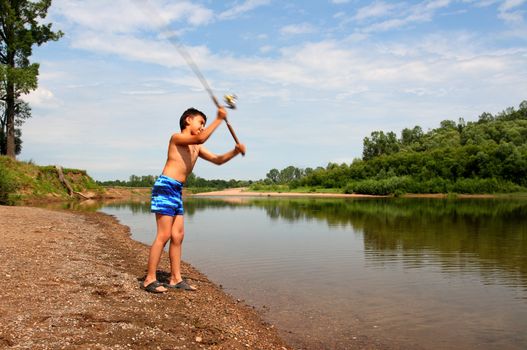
164	229
174	251
176	242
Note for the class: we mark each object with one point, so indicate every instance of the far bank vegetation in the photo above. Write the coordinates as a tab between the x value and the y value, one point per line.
484	156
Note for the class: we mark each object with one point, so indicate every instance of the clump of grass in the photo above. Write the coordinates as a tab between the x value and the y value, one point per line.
8	183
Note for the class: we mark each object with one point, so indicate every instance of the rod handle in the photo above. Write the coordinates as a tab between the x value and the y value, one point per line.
233	134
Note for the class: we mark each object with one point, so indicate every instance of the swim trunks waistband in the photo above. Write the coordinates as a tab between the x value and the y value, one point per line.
171	180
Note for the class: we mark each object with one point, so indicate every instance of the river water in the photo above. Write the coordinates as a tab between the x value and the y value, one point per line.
334	273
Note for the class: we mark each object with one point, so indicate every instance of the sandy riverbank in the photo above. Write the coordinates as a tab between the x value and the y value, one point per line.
70	280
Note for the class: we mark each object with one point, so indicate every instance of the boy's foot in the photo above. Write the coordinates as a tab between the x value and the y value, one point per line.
154	287
181	285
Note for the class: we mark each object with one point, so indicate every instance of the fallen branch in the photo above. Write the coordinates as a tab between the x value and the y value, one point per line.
65	182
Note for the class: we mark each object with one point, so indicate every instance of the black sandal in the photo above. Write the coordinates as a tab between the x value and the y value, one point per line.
152	287
181	285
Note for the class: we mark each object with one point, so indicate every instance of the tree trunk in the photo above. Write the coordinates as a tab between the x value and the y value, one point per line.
10	121
10	108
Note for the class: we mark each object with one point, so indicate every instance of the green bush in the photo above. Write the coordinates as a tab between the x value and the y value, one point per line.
433	185
475	185
8	185
391	185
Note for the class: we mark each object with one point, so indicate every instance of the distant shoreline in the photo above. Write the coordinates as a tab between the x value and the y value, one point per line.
244	192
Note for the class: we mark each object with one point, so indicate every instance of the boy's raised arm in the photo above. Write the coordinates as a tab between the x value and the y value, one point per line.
223	158
189	139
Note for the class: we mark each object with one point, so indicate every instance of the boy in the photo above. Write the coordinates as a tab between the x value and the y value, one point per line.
183	150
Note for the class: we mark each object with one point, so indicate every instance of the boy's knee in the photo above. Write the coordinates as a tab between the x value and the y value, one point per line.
177	236
163	238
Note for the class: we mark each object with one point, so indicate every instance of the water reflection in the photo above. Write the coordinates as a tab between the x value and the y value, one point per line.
478	235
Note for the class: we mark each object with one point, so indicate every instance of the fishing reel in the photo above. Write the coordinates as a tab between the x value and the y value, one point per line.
230	100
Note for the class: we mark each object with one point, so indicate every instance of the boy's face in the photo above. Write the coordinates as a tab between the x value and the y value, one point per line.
196	123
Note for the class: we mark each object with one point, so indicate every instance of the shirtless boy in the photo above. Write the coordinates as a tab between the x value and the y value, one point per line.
183	151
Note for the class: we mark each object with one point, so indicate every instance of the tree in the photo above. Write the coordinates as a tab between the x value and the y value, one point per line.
379	144
22	112
289	174
412	137
20	29
273	175
485	117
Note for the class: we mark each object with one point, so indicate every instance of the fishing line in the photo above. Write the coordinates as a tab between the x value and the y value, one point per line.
230	100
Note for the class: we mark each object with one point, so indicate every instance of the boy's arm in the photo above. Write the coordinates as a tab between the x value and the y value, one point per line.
220	159
186	139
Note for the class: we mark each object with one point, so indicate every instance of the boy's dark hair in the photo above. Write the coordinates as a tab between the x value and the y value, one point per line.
190	112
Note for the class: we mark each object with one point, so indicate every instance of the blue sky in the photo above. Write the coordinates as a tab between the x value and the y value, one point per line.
313	78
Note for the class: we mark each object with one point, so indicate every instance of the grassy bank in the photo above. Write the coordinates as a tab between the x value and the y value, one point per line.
25	181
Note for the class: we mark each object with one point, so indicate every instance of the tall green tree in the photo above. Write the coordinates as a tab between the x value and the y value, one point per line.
21	28
379	144
273	175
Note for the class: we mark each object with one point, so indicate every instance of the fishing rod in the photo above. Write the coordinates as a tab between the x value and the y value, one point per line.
230	99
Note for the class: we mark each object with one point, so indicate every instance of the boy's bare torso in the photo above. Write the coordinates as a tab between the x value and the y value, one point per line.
180	160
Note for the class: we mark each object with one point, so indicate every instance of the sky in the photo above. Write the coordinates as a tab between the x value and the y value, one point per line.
313	78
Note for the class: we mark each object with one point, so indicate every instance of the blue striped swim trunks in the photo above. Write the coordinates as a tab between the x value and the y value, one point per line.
166	197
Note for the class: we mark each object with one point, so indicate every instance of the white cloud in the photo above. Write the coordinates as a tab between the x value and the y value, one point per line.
246	6
296	29
388	25
160	52
145	92
266	48
481	3
377	9
122	16
506	12
510	4
101	15
421	91
324	65
404	16
511	17
339	14
193	14
41	97
436	4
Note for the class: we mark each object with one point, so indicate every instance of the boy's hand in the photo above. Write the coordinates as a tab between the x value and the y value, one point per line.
240	148
222	113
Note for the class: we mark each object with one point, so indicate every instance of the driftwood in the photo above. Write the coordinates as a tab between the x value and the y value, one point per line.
66	184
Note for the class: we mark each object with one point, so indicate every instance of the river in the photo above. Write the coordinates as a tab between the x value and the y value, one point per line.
400	273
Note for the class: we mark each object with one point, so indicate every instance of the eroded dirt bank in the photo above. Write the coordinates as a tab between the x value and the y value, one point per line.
70	280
